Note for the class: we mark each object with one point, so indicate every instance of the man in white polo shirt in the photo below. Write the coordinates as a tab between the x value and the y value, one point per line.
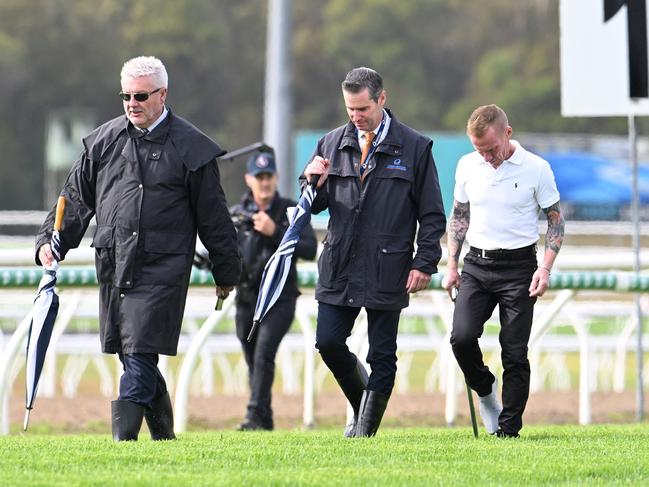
499	190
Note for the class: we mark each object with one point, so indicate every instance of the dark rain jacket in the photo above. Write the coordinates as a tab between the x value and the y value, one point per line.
150	195
368	249
256	248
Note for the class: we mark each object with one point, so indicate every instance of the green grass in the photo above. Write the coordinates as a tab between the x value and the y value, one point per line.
549	455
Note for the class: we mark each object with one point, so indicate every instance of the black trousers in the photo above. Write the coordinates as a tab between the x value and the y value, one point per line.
335	325
260	353
141	382
485	283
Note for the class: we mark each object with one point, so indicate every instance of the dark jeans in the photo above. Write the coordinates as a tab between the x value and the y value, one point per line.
260	353
141	382
485	283
335	325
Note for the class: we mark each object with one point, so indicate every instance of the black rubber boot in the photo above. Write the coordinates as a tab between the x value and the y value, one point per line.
353	386
373	406
160	419
127	420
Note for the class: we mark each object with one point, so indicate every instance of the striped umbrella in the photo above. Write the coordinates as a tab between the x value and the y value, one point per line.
278	266
46	306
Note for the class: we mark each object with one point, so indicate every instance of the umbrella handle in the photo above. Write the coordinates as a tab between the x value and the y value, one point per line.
314	180
453	294
60	208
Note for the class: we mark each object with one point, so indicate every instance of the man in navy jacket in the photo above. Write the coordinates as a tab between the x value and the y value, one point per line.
377	198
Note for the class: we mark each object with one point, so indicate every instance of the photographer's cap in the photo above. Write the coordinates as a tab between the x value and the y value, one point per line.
261	163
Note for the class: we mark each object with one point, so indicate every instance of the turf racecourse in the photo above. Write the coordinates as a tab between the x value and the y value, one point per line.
547	455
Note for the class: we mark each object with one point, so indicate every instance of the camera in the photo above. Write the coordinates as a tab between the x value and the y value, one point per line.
242	219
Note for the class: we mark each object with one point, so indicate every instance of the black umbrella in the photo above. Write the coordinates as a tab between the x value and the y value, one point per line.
279	264
46	306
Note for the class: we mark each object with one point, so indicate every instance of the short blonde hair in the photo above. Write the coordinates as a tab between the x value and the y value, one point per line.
145	66
484	117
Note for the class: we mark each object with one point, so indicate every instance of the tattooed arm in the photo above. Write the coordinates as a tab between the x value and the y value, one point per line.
553	241
457	228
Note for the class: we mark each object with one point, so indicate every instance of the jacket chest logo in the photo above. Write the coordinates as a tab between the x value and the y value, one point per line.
397	165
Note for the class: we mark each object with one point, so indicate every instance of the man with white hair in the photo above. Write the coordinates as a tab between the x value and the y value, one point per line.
151	180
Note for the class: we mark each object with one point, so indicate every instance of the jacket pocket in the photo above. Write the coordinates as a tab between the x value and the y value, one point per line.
166	243
393	193
104	244
103	237
395	260
328	268
166	260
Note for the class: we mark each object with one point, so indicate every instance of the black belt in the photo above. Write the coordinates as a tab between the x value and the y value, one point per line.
506	254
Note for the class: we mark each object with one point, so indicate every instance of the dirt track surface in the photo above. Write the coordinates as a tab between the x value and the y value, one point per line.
91	413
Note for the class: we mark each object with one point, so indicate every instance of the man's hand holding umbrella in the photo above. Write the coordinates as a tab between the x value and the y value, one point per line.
46	307
317	168
45	255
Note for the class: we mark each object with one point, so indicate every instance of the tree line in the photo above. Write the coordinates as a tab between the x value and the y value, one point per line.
439	59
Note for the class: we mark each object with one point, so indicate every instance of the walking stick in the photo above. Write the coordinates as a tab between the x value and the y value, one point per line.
469	395
474	423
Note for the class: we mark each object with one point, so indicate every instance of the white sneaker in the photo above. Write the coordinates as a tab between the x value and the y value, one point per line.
490	409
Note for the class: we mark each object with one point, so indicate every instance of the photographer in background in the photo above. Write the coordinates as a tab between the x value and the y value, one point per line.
261	221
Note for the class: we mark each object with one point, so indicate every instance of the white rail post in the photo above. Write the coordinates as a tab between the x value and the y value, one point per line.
188	364
7	360
450	410
581	328
446	358
308	412
358	345
543	322
47	385
619	371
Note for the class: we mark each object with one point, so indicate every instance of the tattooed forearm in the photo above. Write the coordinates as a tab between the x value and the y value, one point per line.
556	224
457	228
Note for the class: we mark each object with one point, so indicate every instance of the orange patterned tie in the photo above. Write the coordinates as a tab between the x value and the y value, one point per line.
369	137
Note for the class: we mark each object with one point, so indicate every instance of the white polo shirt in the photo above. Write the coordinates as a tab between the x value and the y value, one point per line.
504	202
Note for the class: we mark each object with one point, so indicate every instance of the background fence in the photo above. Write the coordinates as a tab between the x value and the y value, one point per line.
588	314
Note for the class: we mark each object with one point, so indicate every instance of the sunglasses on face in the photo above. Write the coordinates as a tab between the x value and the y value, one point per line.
138	96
